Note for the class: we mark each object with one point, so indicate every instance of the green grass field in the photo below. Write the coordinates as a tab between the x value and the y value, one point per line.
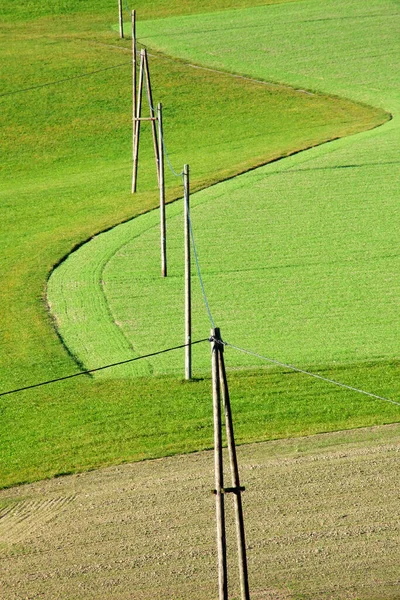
299	258
66	176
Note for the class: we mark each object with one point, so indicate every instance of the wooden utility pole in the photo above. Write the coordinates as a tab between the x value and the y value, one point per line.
188	291
144	77
121	19
220	381
136	125
219	471
152	113
158	142
134	83
162	193
236	488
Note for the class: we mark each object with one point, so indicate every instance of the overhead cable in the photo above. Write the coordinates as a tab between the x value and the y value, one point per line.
196	258
89	371
310	374
50	83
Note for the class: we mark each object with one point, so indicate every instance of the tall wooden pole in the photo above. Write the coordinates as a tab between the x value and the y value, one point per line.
138	106
237	490
162	193
152	113
144	73
134	89
121	19
188	291
219	380
218	468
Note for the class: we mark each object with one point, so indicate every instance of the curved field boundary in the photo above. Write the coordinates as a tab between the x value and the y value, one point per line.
98	337
97	347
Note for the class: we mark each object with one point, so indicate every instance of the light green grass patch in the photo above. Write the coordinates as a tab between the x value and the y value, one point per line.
344	48
66	169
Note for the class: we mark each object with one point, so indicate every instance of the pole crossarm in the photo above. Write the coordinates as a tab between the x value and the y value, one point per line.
231	490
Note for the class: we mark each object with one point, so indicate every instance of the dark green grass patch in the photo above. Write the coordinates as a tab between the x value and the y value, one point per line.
83	425
158	9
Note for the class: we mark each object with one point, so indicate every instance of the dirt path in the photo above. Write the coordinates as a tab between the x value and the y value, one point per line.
322	518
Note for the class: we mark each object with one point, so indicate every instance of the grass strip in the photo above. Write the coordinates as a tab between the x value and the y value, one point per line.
77	426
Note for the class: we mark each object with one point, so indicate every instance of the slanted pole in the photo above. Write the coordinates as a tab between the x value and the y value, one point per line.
218	469
152	113
144	74
236	488
219	381
136	124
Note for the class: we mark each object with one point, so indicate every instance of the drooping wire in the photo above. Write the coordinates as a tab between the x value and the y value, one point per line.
43	85
89	371
196	258
310	374
174	172
171	168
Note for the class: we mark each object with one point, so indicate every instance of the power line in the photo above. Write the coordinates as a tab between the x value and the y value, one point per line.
43	85
293	368
127	7
89	371
196	258
171	168
205	299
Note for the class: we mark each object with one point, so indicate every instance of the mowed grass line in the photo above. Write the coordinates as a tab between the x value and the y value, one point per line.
57	191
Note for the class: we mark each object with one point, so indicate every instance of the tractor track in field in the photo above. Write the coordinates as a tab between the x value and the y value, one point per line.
322	521
22	518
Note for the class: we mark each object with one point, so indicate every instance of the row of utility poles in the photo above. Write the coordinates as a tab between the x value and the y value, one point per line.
221	398
155	117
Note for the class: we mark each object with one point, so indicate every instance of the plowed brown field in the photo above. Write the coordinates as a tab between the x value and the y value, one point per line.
322	521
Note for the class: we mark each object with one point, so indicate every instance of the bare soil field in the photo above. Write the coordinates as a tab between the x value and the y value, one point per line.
322	522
